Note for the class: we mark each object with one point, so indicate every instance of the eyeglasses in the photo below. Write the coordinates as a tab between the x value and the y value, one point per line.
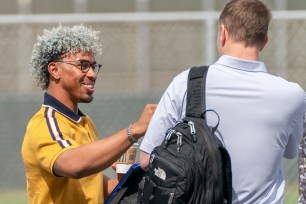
84	65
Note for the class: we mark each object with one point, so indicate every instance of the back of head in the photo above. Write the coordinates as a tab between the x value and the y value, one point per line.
246	21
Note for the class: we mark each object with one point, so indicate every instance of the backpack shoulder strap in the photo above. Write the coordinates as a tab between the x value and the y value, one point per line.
196	105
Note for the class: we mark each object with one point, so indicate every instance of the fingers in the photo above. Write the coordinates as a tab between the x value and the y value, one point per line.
114	166
151	107
147	115
139	128
149	111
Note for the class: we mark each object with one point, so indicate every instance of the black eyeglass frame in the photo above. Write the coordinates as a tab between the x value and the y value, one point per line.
95	66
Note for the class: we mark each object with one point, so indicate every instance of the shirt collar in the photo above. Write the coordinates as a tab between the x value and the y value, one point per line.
245	65
50	101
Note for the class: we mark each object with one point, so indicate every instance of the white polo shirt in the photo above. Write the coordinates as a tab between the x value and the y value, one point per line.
261	121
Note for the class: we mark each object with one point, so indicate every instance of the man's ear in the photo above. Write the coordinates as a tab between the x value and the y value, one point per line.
223	35
53	70
264	44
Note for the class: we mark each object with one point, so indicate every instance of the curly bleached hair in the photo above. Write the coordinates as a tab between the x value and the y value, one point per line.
57	43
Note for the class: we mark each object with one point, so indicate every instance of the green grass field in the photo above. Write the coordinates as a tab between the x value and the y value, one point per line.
19	196
291	194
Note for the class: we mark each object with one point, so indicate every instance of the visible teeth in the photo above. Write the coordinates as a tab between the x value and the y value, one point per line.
89	86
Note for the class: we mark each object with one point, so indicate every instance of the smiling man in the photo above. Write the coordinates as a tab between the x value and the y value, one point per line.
63	157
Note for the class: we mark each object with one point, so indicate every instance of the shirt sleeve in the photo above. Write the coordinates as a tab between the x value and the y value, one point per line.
170	109
295	125
49	140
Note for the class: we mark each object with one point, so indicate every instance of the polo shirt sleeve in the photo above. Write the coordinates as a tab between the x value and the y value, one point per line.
296	126
49	140
170	109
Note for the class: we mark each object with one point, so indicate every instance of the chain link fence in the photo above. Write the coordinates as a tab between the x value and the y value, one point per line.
142	52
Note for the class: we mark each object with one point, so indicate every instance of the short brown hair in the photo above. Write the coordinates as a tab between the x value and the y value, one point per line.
246	21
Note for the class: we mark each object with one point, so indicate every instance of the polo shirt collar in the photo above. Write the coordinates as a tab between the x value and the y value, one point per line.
244	65
50	101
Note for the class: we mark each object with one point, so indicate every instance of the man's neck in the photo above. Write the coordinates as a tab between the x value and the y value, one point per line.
64	100
239	50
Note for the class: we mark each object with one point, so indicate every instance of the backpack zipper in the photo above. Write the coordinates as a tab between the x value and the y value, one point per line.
171	198
168	137
152	158
179	140
192	130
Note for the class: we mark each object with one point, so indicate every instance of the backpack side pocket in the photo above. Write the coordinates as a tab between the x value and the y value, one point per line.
166	180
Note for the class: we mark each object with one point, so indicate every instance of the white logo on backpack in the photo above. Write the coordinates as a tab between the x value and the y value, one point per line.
160	173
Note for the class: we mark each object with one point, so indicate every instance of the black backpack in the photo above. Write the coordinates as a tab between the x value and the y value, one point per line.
191	165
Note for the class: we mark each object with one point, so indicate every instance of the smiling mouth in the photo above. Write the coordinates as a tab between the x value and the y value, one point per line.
89	87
